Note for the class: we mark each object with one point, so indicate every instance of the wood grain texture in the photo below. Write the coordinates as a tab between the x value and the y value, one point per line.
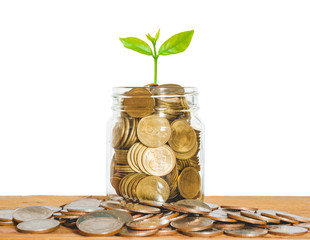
296	205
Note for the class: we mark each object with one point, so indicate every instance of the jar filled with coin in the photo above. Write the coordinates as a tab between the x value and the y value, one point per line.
155	144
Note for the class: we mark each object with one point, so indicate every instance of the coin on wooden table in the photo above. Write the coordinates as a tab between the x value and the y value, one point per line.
148	224
65	216
212	232
246	232
166	231
135	207
152	203
6	215
66	212
273	214
153	188
212	206
223	225
100	226
239	217
83	209
220	215
293	217
158	161
123	216
239	208
6	223
154	131
32	212
113	205
305	225
192	224
38	226
54	208
270	226
125	232
138	102
143	217
84	202
186	208
181	216
170	215
193	203
259	217
183	137
118	133
288	231
189	182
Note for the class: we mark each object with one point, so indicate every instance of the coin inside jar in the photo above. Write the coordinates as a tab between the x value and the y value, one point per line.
154	131
189	182
38	226
138	102
31	213
153	188
183	136
158	161
192	224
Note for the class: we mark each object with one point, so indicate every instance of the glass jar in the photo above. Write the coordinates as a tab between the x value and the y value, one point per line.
155	144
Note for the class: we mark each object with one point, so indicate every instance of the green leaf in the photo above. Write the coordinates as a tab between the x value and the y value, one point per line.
157	36
149	37
176	44
137	45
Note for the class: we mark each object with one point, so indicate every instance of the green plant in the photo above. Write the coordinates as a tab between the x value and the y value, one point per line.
176	44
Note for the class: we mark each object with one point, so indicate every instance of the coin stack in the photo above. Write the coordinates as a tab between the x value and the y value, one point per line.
95	217
153	140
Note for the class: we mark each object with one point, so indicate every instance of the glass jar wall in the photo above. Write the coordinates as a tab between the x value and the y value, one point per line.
155	143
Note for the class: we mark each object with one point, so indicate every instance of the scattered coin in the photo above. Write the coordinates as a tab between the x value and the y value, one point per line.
100	226
212	206
83	209
288	231
212	232
6	223
273	214
239	217
148	224
135	207
192	224
238	208
166	231
246	232
125	232
293	217
220	215
38	226
31	213
85	202
143	217
123	216
305	225
223	225
6	215
152	203
54	208
259	217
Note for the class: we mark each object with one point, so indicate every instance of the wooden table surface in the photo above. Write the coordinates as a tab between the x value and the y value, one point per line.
296	205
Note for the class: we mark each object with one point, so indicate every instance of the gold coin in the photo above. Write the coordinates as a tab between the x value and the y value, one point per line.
134	186
153	188
126	133
189	182
154	131
130	157
139	159
136	207
159	161
183	136
118	132
139	102
188	154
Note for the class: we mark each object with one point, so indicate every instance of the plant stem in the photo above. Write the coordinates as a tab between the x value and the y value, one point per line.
155	64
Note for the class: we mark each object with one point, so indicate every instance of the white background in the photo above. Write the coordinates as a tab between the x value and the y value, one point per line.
60	59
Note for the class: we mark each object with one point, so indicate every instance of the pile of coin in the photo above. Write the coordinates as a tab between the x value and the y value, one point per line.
95	217
153	136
